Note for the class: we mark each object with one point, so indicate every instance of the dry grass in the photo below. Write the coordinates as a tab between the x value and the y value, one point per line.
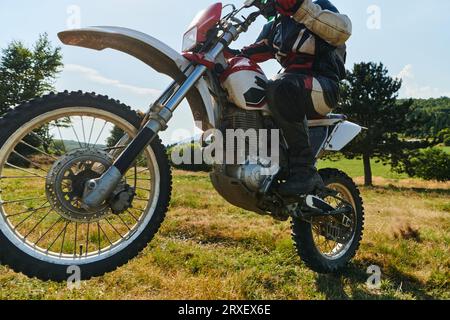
208	249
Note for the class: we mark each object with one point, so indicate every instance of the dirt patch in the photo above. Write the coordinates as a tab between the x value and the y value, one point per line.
406	231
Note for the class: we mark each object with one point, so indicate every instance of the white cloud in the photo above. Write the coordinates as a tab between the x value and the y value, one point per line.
412	89
95	76
406	73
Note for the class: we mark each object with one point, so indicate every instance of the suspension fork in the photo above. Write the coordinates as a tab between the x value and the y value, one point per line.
98	190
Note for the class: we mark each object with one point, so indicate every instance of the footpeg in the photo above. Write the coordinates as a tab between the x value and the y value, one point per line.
314	203
313	206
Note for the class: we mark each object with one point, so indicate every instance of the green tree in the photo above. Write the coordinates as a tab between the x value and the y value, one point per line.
430	164
444	137
369	98
115	136
26	73
431	116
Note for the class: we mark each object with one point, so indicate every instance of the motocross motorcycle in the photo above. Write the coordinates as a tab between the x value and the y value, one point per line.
72	195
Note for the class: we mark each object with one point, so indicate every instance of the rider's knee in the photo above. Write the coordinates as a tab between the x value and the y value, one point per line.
285	96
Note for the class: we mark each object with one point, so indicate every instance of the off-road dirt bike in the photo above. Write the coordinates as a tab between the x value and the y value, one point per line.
73	196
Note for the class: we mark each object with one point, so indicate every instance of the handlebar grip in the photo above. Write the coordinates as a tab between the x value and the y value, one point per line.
267	8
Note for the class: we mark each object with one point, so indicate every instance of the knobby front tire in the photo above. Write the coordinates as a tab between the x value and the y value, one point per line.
17	251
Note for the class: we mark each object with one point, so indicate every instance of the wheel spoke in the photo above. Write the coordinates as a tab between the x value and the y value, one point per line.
25	170
75	240
131	214
24	220
20	177
114	228
87	239
76	135
104	233
124	223
101	132
142	179
48	230
29	161
140	199
61	137
143	189
22	200
114	148
84	133
38	150
29	210
99	238
38	136
136	173
63	239
92	130
57	237
37	224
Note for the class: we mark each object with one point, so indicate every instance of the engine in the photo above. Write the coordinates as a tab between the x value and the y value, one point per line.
245	84
241	130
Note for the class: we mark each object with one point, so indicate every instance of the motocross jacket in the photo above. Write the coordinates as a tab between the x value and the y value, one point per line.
311	42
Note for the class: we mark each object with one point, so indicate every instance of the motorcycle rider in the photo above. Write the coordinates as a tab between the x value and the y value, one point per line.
308	39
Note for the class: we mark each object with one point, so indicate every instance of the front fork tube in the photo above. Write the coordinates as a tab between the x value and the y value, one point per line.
98	190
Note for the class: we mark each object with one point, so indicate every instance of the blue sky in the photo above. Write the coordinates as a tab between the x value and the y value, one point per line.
411	37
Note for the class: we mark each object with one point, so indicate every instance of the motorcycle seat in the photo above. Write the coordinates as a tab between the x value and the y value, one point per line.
327	121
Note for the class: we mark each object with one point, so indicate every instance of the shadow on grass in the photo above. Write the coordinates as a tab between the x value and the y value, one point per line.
350	285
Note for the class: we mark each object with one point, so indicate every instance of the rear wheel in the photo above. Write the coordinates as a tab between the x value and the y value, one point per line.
49	148
327	244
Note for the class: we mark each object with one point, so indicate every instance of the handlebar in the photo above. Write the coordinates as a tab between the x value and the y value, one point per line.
231	26
266	8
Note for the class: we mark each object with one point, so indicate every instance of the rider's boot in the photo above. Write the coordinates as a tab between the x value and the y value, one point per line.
304	178
289	101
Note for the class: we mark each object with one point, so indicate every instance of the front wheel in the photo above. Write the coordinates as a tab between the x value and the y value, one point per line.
327	244
49	148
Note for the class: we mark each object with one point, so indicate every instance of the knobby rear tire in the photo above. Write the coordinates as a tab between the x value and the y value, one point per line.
302	233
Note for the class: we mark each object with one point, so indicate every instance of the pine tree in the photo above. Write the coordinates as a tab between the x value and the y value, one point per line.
369	98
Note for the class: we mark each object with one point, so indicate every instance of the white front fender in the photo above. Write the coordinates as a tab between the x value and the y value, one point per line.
152	52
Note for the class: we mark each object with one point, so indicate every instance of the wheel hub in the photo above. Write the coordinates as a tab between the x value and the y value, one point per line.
66	182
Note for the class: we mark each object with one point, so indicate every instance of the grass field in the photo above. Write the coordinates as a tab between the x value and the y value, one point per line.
355	168
208	249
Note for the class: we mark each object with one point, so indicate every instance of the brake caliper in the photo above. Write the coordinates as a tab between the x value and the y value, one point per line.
122	199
